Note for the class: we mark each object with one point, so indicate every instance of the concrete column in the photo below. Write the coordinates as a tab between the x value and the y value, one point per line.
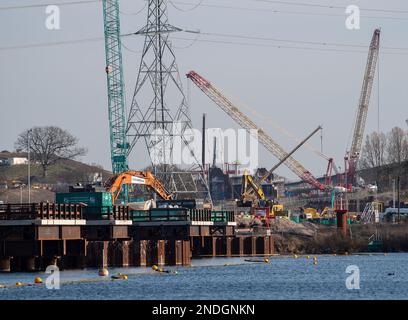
271	245
5	265
228	244
178	252
138	253
143	252
161	252
125	254
253	246
186	253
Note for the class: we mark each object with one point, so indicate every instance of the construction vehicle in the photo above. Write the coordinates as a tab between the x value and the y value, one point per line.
256	186
352	156
116	183
245	122
253	195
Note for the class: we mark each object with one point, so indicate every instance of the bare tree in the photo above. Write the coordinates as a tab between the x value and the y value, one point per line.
49	145
374	151
397	145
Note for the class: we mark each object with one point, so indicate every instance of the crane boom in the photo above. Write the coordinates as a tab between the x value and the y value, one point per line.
115	83
227	106
364	102
257	185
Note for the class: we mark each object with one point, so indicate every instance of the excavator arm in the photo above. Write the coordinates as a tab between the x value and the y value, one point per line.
115	184
248	180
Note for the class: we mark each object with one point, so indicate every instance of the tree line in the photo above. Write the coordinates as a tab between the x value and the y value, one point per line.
384	148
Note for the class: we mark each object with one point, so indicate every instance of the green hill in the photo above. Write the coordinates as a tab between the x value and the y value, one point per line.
65	171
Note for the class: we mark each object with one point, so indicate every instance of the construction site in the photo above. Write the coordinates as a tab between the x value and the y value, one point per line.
173	211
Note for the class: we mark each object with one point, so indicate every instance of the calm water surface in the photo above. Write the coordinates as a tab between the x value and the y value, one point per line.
381	277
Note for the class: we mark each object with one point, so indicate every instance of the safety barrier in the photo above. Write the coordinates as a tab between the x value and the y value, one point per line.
41	210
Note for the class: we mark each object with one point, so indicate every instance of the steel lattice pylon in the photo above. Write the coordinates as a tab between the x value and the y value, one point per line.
159	113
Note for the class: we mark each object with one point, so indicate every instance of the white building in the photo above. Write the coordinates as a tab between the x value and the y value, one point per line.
17	160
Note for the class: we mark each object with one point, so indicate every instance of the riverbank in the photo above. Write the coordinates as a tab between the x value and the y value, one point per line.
308	238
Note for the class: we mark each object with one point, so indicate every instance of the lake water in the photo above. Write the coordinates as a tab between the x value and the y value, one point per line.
381	277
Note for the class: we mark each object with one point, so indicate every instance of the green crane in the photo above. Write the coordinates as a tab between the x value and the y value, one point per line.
116	87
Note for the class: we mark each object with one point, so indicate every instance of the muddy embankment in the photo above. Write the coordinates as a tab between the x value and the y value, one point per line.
309	238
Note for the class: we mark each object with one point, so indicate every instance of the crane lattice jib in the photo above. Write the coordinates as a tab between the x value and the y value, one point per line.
115	83
246	123
364	101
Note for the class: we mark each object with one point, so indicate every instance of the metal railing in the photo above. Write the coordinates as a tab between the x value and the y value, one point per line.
53	211
165	214
41	210
106	213
182	214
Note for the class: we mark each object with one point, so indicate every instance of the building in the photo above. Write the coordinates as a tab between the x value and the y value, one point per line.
11	159
17	160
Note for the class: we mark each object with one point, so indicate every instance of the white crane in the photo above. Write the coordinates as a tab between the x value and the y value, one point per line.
353	155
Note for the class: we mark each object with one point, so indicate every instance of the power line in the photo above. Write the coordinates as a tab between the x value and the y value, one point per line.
295	41
50	44
326	6
36	45
57	43
286	47
191	9
278	11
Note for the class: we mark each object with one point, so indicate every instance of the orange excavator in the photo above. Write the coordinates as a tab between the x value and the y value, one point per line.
115	184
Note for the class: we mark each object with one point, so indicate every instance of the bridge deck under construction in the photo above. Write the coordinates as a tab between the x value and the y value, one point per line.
33	236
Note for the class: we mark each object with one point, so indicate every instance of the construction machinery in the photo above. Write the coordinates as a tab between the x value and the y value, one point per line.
256	186
115	84
253	195
115	184
227	106
352	156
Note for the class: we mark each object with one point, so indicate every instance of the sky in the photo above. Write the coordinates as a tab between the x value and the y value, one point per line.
295	88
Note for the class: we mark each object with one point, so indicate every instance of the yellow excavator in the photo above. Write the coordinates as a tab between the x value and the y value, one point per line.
252	193
257	198
115	184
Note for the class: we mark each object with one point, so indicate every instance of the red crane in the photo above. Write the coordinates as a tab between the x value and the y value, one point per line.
228	107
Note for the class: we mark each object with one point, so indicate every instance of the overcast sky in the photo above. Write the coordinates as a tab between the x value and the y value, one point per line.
65	85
